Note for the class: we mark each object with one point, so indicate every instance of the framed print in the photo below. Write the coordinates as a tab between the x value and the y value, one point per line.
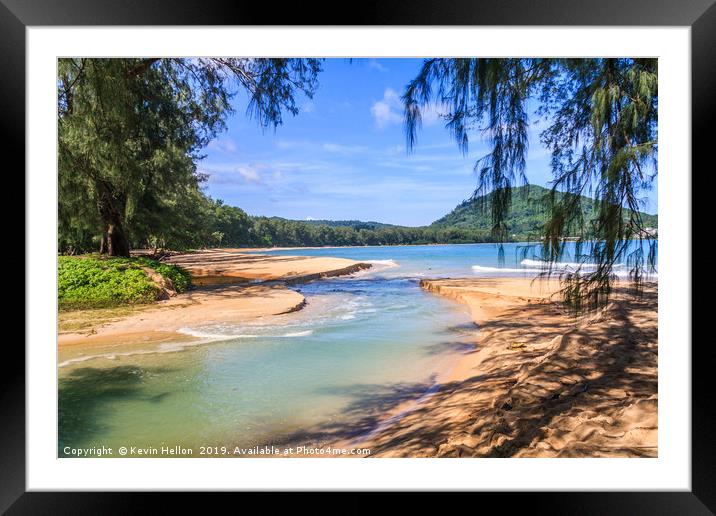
406	251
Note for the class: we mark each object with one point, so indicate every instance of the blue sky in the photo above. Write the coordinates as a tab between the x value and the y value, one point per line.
344	157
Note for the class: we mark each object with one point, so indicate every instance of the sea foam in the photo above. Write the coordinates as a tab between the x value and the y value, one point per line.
565	265
298	334
480	268
214	336
385	263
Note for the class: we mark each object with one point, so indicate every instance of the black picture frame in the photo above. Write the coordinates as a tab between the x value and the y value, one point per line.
700	15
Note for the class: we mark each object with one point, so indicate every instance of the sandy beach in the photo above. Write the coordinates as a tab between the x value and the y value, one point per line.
233	287
221	266
538	382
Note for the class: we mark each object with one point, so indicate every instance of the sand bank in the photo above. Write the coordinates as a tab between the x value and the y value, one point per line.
216	266
229	303
538	383
247	298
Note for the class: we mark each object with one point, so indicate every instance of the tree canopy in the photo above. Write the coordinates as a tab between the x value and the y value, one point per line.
131	130
601	130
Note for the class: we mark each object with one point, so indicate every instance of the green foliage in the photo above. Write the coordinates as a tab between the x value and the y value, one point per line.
130	132
93	282
527	216
275	231
600	119
469	222
180	278
355	224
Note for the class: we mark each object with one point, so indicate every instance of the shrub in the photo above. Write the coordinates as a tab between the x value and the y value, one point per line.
178	276
94	282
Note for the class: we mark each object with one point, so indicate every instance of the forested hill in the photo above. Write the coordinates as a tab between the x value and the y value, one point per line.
355	224
526	215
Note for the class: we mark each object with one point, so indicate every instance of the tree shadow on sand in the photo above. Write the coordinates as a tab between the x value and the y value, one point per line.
572	388
450	348
597	386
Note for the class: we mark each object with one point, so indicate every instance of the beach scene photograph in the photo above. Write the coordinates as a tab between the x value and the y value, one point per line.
357	258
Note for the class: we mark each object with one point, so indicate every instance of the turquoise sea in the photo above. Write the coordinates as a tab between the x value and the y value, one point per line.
363	344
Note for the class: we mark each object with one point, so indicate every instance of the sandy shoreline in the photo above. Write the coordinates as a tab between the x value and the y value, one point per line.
220	266
234	287
539	383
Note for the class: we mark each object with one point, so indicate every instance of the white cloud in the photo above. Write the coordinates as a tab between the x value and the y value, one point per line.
223	145
288	144
310	218
249	174
387	111
431	114
343	149
375	65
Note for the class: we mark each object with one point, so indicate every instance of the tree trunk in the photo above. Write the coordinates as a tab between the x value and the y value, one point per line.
111	207
104	243
118	245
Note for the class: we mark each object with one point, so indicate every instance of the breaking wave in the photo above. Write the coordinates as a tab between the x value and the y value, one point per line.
480	268
563	265
298	334
539	266
389	263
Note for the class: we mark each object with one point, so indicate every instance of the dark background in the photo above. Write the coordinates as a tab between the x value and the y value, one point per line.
15	15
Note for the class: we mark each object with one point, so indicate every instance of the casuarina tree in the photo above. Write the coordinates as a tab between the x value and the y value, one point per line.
131	130
599	121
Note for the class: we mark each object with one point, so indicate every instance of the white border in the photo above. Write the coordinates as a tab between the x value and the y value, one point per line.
671	470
